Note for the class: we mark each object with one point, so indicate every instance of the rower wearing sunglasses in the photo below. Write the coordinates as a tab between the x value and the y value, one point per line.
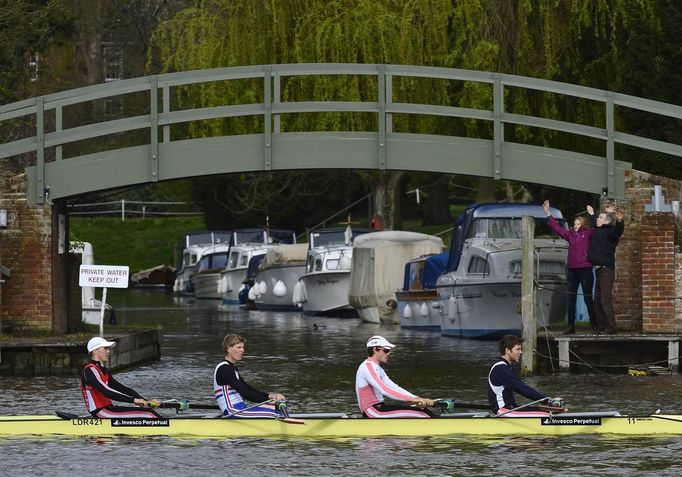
372	384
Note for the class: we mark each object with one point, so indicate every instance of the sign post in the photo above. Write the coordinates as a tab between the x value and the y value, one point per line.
103	276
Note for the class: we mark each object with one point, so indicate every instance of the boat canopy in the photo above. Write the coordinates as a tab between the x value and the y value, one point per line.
378	261
497	221
262	236
425	270
284	254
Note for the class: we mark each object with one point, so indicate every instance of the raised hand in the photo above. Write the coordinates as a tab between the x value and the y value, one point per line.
590	210
545	205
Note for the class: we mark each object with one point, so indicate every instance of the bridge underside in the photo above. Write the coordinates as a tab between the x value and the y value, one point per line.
328	150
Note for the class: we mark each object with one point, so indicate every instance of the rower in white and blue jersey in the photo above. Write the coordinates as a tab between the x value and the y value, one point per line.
503	383
231	390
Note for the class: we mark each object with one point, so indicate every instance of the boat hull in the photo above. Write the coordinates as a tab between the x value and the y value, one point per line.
419	309
559	425
232	282
327	294
490	310
276	286
205	285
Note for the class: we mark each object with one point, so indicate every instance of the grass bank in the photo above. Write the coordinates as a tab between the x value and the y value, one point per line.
137	243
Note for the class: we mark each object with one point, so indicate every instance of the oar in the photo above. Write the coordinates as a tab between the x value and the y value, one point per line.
182	405
450	405
245	409
521	407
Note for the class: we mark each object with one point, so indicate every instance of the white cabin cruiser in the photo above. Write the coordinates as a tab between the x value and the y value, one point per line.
323	288
194	247
207	275
244	245
480	293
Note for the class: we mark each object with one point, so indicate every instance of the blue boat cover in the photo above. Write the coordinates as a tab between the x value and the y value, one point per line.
434	266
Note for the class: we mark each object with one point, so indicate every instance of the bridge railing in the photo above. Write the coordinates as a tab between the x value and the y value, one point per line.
39	111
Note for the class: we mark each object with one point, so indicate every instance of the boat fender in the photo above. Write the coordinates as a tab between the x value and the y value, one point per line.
252	292
280	289
452	308
424	310
407	311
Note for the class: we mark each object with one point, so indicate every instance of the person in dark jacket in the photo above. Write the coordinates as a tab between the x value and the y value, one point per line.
579	267
503	383
602	254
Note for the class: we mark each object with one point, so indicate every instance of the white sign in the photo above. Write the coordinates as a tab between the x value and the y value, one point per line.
108	276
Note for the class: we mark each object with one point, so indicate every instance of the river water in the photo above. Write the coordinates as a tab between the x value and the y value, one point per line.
312	360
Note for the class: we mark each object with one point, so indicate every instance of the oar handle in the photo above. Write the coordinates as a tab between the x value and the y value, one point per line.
183	405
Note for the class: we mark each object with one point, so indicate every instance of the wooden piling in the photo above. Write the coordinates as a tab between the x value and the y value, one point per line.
528	326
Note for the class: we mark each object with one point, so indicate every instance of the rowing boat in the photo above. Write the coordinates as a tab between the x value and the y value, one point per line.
337	425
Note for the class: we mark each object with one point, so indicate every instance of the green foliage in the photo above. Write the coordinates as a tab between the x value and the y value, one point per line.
27	26
137	243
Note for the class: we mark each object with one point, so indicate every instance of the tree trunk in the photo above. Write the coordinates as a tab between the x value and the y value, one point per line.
386	199
437	205
486	190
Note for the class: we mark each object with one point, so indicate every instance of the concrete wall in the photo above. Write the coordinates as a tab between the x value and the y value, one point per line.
66	357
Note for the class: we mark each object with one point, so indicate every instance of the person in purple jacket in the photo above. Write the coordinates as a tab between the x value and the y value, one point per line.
579	267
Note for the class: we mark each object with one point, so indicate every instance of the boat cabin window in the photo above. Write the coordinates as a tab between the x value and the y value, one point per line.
318	264
244	260
548	269
219	261
479	266
234	259
507	228
333	264
309	265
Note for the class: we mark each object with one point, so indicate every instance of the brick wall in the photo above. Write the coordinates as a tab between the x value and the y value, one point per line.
658	272
28	296
628	288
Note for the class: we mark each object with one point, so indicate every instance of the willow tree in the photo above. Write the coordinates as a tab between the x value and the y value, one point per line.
219	33
574	41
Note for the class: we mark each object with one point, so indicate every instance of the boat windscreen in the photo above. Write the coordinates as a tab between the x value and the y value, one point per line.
507	228
282	237
248	236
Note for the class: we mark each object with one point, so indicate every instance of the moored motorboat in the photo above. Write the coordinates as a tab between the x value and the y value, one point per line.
195	244
334	426
207	275
480	293
377	270
277	276
323	288
418	306
244	245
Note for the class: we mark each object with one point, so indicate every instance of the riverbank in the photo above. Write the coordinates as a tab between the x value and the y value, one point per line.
65	355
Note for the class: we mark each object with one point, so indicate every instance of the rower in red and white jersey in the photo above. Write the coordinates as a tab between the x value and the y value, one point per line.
372	384
231	390
100	389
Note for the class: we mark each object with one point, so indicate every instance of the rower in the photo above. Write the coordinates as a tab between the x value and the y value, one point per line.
231	390
372	384
503	382
99	387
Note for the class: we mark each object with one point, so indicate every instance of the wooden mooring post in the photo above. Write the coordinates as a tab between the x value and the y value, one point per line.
528	326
